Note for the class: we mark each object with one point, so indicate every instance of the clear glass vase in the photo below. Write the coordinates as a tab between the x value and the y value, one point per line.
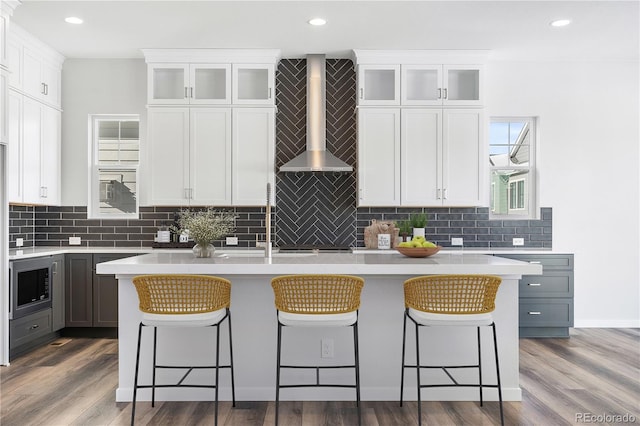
203	250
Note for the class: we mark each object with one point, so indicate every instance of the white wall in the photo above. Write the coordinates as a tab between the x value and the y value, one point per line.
95	86
588	173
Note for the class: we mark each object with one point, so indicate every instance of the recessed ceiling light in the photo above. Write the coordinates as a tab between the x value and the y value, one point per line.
317	21
560	22
73	20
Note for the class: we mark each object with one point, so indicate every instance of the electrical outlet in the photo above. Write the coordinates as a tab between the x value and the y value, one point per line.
518	241
75	241
456	241
232	241
19	242
261	244
326	348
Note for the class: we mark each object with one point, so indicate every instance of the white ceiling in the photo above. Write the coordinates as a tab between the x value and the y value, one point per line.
514	30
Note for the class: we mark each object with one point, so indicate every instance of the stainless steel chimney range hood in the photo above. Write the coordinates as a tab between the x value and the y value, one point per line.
316	158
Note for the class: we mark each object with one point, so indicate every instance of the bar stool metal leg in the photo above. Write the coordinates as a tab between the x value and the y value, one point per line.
480	366
357	363
278	370
495	349
153	380
418	373
135	379
404	338
217	371
233	385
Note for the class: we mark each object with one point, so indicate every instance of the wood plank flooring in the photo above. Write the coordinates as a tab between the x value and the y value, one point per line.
595	372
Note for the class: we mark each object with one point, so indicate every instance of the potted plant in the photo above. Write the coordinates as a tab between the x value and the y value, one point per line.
405	228
418	223
203	227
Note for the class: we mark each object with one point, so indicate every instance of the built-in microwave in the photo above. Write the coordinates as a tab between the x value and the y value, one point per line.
30	286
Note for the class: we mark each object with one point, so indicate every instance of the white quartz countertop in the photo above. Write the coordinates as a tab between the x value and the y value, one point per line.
29	252
251	263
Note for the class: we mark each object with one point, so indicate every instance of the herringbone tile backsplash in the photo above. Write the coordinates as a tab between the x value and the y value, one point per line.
311	208
316	208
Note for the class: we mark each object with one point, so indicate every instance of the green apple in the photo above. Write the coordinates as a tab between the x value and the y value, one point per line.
428	244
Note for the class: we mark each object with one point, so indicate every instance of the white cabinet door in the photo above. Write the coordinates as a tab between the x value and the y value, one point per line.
51	79
14	54
14	157
462	171
50	156
379	85
462	85
422	85
4	106
31	134
169	156
210	84
253	157
254	84
421	157
168	84
378	156
32	83
210	156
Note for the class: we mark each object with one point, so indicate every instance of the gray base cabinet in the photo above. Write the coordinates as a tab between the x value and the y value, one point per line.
546	301
25	331
57	298
91	299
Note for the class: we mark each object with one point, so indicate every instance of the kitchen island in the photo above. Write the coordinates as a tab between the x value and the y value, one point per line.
380	326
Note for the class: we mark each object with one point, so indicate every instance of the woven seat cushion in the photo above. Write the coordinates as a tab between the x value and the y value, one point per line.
318	320
429	318
184	320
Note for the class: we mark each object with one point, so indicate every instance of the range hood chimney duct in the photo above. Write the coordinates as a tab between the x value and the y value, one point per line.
316	158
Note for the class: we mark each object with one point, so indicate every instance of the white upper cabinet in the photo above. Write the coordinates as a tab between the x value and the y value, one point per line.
36	69
420	78
254	84
176	84
379	85
211	76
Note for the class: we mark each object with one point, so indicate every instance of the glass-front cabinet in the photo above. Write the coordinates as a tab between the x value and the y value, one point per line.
379	85
253	84
177	84
441	85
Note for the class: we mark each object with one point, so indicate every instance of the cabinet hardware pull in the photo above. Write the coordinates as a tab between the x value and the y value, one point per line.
439	196
535	313
46	89
186	193
361	93
192	92
54	267
439	93
186	94
446	193
445	93
34	326
269	93
534	284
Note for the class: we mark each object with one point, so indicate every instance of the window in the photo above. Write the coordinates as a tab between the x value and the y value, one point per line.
114	159
512	164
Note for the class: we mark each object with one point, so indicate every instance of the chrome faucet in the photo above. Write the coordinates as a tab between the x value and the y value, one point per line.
267	224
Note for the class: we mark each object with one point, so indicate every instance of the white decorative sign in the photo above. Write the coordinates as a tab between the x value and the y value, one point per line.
384	241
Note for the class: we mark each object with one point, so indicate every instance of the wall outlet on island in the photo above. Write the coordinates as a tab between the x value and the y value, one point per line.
518	241
232	241
75	241
19	242
326	348
456	241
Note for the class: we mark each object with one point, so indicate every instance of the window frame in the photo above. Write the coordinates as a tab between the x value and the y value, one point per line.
95	167
530	209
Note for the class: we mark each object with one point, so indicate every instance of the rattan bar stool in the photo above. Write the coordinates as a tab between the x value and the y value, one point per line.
183	301
450	301
318	300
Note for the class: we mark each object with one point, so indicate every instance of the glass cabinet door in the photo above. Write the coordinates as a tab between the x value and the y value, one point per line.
379	85
253	84
168	84
422	85
210	84
463	85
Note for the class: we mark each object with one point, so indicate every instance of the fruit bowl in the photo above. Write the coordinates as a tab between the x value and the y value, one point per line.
418	251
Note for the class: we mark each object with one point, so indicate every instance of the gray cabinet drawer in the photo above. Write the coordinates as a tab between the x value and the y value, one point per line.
24	330
548	261
546	313
551	284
